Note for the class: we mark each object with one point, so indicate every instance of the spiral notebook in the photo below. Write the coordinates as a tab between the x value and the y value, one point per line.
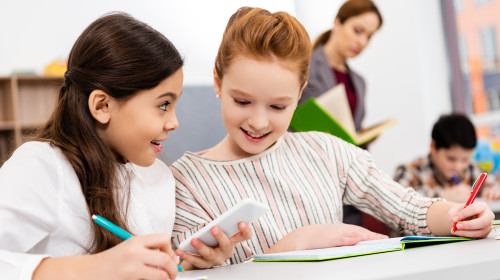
362	248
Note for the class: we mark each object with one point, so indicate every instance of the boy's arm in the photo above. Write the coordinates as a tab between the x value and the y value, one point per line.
491	193
473	221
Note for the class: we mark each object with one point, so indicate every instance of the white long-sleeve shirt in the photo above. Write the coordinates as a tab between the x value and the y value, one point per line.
43	210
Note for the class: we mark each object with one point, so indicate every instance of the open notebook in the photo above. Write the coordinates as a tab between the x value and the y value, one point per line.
362	248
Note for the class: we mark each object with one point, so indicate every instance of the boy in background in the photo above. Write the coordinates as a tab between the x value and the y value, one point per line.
448	171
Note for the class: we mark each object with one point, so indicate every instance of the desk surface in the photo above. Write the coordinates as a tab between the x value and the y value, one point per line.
477	259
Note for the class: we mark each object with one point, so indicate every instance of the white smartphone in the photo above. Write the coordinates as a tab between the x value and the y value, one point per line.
247	210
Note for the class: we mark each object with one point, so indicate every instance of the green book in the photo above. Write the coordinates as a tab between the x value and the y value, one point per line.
362	248
331	113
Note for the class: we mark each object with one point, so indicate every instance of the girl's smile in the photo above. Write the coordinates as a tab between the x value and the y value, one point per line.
255	137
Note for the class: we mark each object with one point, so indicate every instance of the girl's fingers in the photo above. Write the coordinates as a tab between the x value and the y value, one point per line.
245	233
160	259
157	241
208	256
346	241
224	243
474	220
202	249
475	209
159	256
150	272
194	260
482	233
478	223
148	261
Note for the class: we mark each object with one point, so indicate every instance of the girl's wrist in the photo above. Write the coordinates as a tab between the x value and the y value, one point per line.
74	267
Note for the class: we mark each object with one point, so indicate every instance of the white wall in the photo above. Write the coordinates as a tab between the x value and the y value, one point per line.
33	37
405	65
406	68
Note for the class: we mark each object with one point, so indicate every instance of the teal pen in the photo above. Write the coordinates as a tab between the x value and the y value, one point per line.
116	230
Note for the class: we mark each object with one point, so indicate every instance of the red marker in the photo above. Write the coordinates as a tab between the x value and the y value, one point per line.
475	189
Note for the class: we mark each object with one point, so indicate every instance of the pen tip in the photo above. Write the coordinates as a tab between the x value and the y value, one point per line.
94	217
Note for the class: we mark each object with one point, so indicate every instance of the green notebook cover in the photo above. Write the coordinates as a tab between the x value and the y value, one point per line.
312	117
330	112
362	248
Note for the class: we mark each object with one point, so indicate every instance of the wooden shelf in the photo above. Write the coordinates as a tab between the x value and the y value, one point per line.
6	125
26	102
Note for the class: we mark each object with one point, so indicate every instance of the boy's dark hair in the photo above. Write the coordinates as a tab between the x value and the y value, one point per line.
452	130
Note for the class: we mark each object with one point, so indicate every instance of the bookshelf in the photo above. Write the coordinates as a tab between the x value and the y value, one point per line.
26	102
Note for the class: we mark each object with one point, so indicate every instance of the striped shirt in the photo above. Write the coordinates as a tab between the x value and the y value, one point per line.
304	178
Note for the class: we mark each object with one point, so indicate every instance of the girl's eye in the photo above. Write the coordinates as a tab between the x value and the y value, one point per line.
164	106
241	102
277	107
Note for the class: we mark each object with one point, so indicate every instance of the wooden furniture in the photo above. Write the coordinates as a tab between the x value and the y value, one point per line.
26	102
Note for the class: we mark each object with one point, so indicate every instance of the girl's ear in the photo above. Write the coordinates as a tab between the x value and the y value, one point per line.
217	84
99	106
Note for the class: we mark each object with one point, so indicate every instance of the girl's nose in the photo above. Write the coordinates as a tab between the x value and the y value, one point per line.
171	123
259	120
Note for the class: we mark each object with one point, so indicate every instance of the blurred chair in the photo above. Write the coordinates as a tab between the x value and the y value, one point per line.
200	123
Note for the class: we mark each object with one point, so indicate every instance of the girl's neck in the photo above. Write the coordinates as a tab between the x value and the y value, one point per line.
335	59
221	151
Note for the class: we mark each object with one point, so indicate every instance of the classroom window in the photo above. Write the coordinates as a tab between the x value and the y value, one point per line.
494	99
489	48
472	32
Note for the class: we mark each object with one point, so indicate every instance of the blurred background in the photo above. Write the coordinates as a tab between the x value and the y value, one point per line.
430	57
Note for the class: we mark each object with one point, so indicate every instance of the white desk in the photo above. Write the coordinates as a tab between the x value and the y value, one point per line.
471	260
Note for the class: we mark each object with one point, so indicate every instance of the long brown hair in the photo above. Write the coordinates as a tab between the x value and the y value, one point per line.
257	33
350	8
120	56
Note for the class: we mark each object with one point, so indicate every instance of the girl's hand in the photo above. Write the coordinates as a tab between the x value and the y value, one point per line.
210	257
132	259
135	258
323	236
472	221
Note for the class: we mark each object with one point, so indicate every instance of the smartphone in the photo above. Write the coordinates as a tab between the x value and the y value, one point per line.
247	210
